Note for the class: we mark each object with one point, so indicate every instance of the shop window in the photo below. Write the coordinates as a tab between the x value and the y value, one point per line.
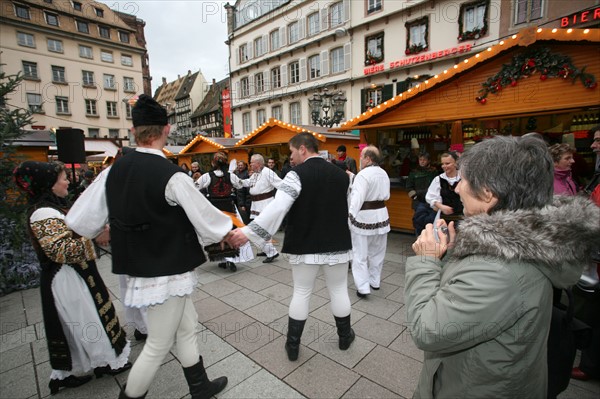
22	11
91	108
295	114
51	19
294	72
528	10
277	112
374	49
473	21
82	26
274	39
30	70
62	105
275	77
336	14
314	65
416	36
55	46
34	101
25	39
373	6
313	24
88	78
58	74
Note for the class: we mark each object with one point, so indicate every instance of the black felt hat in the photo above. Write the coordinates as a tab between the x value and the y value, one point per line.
147	112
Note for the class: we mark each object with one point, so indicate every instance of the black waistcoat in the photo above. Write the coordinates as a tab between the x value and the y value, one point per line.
149	238
318	220
449	197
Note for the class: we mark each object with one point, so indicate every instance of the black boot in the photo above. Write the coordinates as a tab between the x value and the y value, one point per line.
292	345
69	382
345	332
123	396
200	386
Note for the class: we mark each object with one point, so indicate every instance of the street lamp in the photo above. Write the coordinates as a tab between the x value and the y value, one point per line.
327	102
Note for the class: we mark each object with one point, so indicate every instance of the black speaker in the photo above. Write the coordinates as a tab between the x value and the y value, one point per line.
70	145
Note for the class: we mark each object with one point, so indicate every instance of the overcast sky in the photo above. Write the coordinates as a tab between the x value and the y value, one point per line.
181	36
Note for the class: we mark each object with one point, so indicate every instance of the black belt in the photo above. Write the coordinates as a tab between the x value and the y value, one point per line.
260	197
367	205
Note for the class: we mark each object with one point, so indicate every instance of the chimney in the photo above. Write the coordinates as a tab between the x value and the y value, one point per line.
178	76
189	72
214	81
164	80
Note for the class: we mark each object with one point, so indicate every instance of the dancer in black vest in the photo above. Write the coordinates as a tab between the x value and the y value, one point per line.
156	215
441	195
313	195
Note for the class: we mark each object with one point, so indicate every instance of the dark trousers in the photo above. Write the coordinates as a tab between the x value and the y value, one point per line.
422	216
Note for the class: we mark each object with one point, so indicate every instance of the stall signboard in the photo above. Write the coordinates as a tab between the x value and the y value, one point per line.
417	59
581	17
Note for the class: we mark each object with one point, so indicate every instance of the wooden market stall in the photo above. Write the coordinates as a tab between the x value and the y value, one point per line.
540	80
272	138
34	145
201	150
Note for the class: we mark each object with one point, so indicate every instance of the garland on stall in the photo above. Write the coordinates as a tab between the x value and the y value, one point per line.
476	33
535	60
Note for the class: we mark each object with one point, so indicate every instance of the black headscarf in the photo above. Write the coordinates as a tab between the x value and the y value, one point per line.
36	180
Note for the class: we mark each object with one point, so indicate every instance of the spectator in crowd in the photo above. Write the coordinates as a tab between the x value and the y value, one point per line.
313	195
418	183
186	169
441	193
73	294
157	218
493	289
562	155
348	160
369	221
272	164
195	168
243	194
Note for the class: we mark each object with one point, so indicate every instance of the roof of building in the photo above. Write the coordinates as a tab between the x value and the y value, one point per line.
165	94
212	100
187	85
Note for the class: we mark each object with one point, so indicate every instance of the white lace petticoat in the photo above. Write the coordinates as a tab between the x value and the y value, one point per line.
148	291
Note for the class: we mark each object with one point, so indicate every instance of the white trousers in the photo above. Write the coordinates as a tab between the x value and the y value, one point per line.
137	317
367	262
174	320
336	278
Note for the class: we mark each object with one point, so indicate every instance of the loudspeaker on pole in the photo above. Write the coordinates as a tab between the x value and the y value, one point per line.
70	144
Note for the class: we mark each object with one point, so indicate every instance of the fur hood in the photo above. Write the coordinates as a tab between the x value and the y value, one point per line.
557	239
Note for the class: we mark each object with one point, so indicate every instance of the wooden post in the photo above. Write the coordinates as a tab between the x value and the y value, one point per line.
456	133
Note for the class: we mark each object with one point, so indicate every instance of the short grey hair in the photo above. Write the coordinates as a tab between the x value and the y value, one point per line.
372	153
258	158
519	171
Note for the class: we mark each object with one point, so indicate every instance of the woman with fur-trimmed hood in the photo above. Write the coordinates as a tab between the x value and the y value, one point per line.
479	301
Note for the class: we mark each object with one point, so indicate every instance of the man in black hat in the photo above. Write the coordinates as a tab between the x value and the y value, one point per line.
349	161
157	217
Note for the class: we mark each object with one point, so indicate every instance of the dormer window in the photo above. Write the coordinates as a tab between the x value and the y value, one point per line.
100	12
22	11
77	6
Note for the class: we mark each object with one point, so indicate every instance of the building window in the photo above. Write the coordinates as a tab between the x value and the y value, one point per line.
127	110
314	66
294	72
373	6
259	82
25	39
104	31
30	70
51	19
85	51
128	84
58	74
277	112
293	32
109	82
374	49
336	14
373	97
245	87
473	21
106	56
77	6
416	36
82	27
274	39
124	37
93	132
90	108
313	24
261	117
258	47
295	116
126	60
100	12
55	45
62	105
243	53
275	78
246	123
113	133
337	60
22	11
528	10
111	109
88	78
34	101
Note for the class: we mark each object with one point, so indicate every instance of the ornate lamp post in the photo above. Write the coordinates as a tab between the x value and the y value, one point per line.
327	102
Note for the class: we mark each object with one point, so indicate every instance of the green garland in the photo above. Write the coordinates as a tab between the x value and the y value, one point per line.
531	61
417	48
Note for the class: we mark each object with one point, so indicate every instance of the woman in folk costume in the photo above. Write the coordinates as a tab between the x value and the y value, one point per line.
82	328
219	183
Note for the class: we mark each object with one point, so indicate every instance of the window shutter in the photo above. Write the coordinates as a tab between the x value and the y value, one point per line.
363	96
401	87
282	36
284	75
251	87
267	80
302	63
265	41
238	92
346	10
237	56
250	50
324	63
302	28
324	19
387	92
347	56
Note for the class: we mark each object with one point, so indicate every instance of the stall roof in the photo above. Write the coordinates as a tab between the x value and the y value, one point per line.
35	138
273	124
379	115
219	143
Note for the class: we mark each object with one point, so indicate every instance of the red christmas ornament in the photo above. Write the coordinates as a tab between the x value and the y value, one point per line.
483	101
543	77
407	52
513	83
593	85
